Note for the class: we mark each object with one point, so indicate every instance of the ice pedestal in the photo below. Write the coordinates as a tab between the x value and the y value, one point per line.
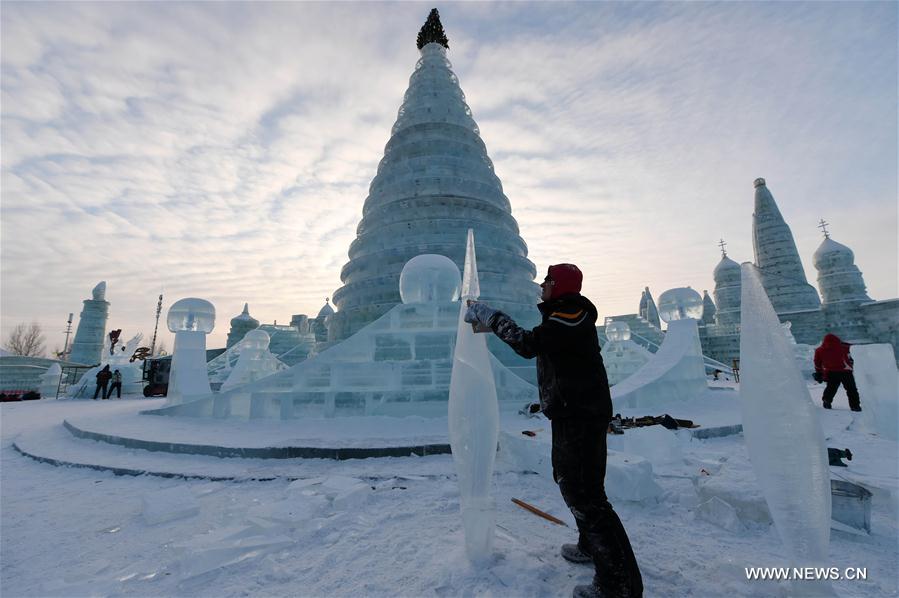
783	435
191	320
473	422
878	388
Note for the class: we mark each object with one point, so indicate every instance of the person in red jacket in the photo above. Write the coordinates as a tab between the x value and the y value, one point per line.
834	366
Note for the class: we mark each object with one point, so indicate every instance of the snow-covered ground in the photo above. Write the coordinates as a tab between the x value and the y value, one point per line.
391	527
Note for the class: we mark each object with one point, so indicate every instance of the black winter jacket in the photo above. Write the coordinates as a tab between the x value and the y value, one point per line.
571	376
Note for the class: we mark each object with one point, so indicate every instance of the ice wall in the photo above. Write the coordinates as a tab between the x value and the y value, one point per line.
783	435
878	388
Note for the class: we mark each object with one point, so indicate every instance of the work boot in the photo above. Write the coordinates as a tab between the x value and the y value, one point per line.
856	408
827	405
574	554
586	591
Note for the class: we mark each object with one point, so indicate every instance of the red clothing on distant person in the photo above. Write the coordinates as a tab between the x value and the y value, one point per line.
832	355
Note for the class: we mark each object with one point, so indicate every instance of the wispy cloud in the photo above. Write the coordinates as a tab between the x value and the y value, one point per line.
225	150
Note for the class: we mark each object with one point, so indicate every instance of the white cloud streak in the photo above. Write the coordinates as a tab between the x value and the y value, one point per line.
224	150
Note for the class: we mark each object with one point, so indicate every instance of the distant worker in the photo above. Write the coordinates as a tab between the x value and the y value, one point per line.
116	384
833	365
574	395
103	377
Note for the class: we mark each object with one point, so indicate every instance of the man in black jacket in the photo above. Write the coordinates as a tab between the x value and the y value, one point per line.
574	395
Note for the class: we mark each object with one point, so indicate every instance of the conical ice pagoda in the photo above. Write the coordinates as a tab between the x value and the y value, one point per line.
434	182
783	277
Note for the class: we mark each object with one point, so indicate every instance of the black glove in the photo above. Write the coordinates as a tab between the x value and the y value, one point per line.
818	377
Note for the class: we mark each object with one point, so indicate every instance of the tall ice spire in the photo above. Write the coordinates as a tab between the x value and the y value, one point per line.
434	182
777	259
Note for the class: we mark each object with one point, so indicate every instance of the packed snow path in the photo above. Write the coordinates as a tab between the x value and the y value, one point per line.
338	532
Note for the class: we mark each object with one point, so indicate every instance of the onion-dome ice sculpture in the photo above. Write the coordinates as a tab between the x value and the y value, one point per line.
727	291
434	182
842	290
241	324
783	277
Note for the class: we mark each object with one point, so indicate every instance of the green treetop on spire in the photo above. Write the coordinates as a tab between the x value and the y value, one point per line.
432	31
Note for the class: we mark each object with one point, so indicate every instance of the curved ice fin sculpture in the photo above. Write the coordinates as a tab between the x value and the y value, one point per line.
782	431
473	423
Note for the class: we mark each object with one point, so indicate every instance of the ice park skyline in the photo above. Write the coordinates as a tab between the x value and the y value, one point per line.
224	151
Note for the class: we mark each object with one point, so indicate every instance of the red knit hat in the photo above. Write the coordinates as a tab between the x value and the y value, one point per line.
567	279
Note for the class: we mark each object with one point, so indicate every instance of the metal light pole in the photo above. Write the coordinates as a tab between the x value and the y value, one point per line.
68	331
156	328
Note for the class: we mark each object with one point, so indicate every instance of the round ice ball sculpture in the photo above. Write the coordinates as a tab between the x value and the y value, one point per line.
618	331
680	304
429	277
191	314
256	339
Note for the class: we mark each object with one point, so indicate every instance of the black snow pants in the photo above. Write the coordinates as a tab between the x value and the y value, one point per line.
579	468
103	387
834	379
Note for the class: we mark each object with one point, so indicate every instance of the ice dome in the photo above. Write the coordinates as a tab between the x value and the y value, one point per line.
830	254
618	331
191	314
725	268
256	339
326	309
680	304
428	278
245	316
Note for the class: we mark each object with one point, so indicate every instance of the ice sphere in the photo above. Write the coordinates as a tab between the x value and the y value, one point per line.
782	433
618	331
191	314
680	304
473	421
429	277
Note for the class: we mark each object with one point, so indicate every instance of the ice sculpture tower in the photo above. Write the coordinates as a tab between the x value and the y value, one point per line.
89	337
777	259
434	182
241	324
842	290
708	309
648	310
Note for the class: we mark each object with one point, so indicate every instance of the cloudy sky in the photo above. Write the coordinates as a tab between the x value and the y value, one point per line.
224	150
